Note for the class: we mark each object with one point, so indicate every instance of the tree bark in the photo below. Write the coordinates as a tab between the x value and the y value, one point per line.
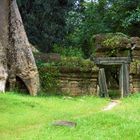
20	61
4	31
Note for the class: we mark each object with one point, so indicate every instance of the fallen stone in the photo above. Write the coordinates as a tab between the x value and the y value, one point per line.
64	123
111	105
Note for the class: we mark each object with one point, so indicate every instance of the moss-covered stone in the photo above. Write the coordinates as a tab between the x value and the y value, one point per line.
135	67
53	75
110	40
77	63
70	63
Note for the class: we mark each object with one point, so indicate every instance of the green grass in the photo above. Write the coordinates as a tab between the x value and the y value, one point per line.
31	118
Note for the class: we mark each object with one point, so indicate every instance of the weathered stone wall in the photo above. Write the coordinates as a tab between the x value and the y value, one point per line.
135	71
136	54
135	65
135	83
78	77
79	83
118	45
67	75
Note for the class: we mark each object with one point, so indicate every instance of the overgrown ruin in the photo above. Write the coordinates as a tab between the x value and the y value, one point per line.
16	58
114	69
118	58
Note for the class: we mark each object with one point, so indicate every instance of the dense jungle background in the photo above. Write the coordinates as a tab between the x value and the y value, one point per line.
66	26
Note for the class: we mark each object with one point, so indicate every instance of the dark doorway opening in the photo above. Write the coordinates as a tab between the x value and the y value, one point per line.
116	68
112	73
113	80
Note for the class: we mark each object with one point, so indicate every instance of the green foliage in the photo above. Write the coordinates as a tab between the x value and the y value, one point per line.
112	43
123	16
110	40
58	25
45	21
79	63
68	51
49	75
106	16
133	18
116	40
92	23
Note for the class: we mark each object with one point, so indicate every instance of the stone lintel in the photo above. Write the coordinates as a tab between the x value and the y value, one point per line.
111	60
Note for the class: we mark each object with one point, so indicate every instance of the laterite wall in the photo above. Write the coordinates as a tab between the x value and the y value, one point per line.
67	76
135	71
79	83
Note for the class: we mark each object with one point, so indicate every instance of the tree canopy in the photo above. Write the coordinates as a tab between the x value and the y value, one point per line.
72	23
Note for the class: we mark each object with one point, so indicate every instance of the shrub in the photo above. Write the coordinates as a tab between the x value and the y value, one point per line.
110	40
68	51
48	77
50	72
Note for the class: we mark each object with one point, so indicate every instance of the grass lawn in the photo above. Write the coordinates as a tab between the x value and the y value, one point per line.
31	118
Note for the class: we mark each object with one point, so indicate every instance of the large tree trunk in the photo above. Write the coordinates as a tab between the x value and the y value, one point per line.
4	39
17	51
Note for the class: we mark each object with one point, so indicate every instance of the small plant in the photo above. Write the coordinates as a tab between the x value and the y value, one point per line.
48	76
68	51
110	40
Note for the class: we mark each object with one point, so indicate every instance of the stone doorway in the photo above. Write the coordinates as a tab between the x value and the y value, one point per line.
113	76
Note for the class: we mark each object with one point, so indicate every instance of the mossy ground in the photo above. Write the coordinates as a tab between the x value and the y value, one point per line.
31	118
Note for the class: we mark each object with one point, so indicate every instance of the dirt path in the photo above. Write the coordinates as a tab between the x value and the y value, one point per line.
111	105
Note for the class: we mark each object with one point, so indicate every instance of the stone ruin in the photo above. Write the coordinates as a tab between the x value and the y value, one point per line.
69	76
118	59
115	68
17	63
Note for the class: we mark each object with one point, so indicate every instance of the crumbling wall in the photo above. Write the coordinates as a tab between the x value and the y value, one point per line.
119	45
111	45
68	75
135	66
79	83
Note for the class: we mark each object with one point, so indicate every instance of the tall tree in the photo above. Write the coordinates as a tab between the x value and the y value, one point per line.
16	58
45	21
